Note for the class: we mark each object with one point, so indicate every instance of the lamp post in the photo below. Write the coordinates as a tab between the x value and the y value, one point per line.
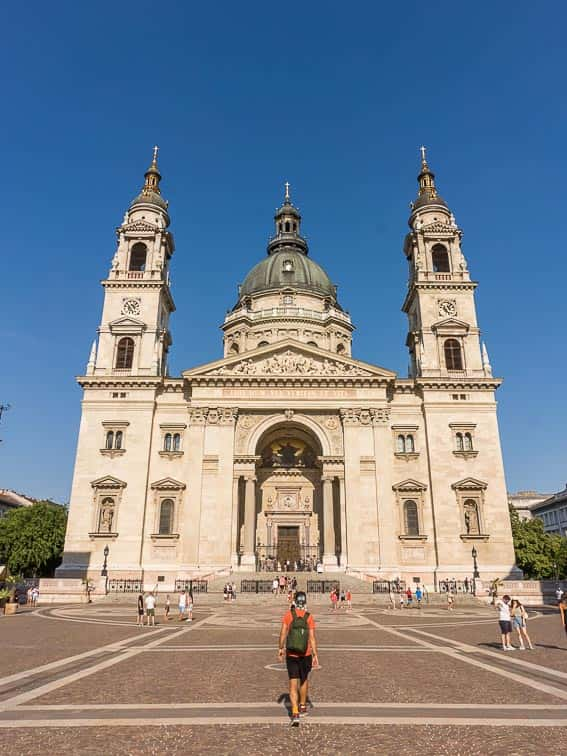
555	571
476	573
104	571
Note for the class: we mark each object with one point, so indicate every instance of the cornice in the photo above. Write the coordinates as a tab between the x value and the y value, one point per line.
452	384
119	381
286	381
140	283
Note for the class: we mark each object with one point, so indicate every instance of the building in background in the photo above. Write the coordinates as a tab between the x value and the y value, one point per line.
288	449
10	500
525	501
553	512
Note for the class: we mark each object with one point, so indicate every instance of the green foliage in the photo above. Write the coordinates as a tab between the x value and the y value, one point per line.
537	551
32	538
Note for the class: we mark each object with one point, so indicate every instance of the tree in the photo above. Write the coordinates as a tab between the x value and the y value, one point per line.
32	538
538	554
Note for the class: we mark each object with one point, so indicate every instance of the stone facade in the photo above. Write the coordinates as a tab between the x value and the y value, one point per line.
288	448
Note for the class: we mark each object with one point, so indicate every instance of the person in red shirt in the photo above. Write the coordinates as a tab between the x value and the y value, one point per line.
299	664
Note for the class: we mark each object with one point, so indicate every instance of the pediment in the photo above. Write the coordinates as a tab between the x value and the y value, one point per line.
290	358
140	226
451	325
168	484
108	481
438	227
126	325
469	484
409	485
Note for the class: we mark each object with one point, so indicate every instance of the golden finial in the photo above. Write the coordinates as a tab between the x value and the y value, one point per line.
156	150
422	149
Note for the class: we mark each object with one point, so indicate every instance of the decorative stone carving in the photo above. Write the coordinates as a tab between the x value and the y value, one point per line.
213	415
197	415
361	416
245	425
290	363
289	414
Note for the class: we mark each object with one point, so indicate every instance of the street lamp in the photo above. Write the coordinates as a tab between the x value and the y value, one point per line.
476	573
104	571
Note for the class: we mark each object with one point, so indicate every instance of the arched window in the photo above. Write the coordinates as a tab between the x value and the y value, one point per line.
138	257
440	259
410	446
401	444
453	355
340	349
311	343
233	349
118	440
460	442
125	353
166	517
176	442
287	226
468	442
411	521
280	227
167	442
109	440
295	226
287	266
263	343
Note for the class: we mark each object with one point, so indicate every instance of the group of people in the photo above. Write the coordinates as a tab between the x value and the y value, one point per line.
512	616
229	592
340	599
271	564
32	595
147	604
406	597
284	584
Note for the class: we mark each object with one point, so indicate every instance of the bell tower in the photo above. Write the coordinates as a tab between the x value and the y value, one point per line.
134	337
443	335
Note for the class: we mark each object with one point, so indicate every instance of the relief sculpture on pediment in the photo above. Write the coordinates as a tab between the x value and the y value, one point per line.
290	363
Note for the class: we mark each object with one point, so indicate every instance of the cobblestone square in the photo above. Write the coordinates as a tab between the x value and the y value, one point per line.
86	679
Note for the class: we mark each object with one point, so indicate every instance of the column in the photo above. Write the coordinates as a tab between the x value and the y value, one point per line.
248	558
342	503
234	533
329	556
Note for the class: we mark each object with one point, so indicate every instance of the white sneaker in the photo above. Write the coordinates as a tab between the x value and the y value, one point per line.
511	648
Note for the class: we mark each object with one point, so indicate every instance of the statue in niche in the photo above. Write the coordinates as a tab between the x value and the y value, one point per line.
471	518
106	516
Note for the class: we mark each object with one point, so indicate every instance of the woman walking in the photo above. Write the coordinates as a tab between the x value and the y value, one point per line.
519	617
189	595
181	604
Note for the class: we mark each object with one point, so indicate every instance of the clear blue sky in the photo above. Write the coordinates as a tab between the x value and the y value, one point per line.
336	98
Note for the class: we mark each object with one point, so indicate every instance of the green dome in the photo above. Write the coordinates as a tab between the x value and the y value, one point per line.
150	198
288	268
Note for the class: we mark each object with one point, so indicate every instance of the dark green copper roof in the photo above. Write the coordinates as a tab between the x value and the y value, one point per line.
306	275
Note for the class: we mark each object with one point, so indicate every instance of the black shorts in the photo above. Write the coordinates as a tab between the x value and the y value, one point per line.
298	667
505	626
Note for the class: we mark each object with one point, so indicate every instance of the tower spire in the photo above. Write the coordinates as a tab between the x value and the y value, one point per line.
152	176
287	198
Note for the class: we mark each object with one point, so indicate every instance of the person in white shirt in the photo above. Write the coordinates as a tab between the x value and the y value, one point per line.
151	609
559	594
505	622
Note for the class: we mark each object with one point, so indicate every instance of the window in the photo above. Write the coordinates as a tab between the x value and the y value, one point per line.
113	439
263	343
138	257
167	442
453	355
440	259
109	440
166	517
287	226
287	266
176	442
340	349
459	442
295	226
405	444
410	446
467	442
401	444
233	349
411	521
118	440
125	353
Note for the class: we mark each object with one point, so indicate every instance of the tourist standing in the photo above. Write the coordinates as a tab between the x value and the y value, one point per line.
505	622
190	605
348	600
418	596
409	597
450	600
282	584
233	591
401	599
151	609
181	604
334	599
392	599
559	594
297	642
275	586
140	611
166	608
519	622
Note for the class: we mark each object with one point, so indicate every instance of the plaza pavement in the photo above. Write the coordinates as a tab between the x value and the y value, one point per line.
84	679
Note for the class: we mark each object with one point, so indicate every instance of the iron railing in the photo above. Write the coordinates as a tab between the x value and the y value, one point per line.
322	586
125	585
195	586
387	586
256	586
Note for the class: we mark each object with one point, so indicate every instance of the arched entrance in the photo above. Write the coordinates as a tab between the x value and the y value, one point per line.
289	495
289	506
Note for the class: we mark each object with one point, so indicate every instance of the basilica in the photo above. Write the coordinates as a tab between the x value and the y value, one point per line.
287	448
